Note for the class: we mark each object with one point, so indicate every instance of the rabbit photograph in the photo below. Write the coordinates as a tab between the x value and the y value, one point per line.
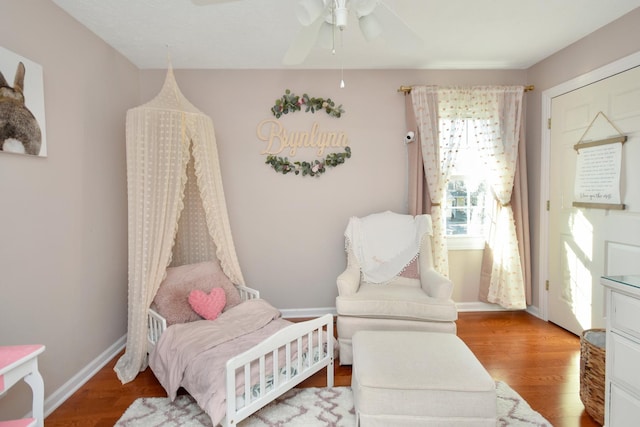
20	131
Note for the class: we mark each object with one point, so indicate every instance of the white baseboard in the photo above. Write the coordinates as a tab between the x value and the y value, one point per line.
478	306
460	306
535	311
59	396
483	306
289	313
292	313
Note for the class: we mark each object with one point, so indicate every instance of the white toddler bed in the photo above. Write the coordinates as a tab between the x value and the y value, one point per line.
156	324
253	378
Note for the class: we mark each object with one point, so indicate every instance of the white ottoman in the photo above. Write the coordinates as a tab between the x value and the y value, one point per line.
410	378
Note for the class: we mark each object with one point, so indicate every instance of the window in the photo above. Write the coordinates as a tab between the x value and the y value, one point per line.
465	206
467	196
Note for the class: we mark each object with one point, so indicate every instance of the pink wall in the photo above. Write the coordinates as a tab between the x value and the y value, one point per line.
288	230
63	218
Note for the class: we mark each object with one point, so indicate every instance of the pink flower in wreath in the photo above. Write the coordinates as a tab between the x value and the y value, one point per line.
315	168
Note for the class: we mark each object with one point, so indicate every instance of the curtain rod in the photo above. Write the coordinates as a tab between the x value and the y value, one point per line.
407	89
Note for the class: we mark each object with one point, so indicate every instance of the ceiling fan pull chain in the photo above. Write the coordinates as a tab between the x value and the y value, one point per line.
333	28
341	60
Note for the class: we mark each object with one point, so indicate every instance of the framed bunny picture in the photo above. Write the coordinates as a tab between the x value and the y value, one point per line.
22	121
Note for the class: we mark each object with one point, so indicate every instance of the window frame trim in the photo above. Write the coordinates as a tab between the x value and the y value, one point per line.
465	243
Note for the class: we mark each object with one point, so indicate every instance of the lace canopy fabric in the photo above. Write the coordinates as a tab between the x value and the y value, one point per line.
385	243
175	195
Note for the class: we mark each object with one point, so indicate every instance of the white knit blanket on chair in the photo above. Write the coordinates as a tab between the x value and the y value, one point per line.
385	243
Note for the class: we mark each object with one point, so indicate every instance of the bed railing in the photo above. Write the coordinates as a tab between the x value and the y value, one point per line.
247	293
306	348
156	324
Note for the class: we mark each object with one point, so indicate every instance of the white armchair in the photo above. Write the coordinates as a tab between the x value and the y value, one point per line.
390	282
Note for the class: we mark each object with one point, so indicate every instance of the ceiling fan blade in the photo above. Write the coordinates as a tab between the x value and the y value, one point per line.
303	43
395	31
364	7
308	11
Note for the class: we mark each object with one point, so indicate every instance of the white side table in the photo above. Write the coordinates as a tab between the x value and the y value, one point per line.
622	384
21	362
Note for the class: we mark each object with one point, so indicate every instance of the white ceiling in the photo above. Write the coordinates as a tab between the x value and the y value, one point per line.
255	34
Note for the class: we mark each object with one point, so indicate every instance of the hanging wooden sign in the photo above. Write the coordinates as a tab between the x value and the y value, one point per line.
279	139
598	165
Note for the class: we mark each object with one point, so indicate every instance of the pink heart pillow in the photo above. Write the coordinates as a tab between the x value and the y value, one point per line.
208	305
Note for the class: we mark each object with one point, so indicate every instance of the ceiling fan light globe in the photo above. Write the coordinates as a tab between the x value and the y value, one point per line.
370	27
308	11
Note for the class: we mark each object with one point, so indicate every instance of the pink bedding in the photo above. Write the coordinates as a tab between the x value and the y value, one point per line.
193	355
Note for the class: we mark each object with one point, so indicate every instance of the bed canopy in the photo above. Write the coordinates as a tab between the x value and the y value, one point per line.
177	209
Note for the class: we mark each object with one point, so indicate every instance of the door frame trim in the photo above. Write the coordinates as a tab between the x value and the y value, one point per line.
586	79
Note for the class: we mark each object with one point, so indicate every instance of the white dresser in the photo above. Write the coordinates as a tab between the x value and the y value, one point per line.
622	386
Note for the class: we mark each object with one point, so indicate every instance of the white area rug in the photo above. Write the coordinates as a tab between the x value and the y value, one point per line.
308	407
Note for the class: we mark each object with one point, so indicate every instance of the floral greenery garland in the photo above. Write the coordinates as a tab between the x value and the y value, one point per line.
290	103
314	168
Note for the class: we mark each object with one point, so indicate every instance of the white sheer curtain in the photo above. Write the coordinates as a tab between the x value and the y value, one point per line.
495	114
439	149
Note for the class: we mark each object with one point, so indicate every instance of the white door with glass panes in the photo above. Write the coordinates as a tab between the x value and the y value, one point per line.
585	243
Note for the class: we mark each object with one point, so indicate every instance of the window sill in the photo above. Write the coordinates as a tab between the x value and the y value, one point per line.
465	243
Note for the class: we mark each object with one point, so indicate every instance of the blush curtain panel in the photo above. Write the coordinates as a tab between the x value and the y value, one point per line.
494	115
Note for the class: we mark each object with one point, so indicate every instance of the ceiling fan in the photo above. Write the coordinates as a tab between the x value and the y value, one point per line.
322	19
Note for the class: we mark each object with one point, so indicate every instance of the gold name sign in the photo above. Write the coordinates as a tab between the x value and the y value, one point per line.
279	139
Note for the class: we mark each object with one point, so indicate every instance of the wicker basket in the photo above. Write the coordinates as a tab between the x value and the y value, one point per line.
592	368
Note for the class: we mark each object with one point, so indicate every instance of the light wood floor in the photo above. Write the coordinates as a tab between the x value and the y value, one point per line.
537	359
